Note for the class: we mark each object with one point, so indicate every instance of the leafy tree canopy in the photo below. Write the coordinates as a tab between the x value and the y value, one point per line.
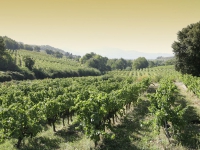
58	54
21	45
119	64
2	46
87	57
95	61
187	50
50	52
28	47
37	48
29	62
170	62
151	64
10	43
140	63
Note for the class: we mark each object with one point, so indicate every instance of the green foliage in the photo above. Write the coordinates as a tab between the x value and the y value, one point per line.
170	62
2	46
28	47
45	66
58	55
29	62
50	52
37	48
140	63
27	106
10	43
95	61
187	50
87	57
19	116
151	64
159	62
7	62
119	64
5	77
165	111
21	45
104	101
192	83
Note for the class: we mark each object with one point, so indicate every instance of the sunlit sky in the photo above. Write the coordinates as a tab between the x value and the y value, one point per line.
82	26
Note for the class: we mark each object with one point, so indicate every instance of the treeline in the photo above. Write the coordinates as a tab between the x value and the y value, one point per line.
23	64
104	64
14	45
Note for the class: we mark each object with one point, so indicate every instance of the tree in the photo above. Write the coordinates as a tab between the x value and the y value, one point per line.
50	52
2	46
140	63
37	48
58	54
121	64
95	61
151	64
87	57
170	62
111	63
10	43
28	47
98	62
187	50
29	62
21	45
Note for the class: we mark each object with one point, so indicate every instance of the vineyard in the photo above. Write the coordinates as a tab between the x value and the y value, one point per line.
142	109
45	66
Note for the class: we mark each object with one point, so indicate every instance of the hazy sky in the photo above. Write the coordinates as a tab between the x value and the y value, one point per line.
82	26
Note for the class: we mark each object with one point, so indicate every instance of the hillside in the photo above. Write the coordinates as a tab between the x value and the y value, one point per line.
15	45
13	66
67	54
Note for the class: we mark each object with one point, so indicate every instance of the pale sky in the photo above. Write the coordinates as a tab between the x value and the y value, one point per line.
82	26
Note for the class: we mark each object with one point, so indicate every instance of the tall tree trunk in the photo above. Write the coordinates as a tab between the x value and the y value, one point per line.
166	131
19	142
63	120
54	127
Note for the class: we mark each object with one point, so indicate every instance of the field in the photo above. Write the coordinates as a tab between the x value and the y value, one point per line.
45	66
152	109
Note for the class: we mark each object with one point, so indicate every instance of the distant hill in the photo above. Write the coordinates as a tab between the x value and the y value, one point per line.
13	45
67	54
106	52
119	53
15	65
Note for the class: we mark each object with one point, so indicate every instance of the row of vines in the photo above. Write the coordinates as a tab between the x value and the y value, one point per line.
26	107
192	83
47	66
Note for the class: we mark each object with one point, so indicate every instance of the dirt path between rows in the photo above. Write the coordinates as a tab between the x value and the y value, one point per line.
190	97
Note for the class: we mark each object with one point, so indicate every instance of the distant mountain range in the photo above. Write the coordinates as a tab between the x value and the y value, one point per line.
119	53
